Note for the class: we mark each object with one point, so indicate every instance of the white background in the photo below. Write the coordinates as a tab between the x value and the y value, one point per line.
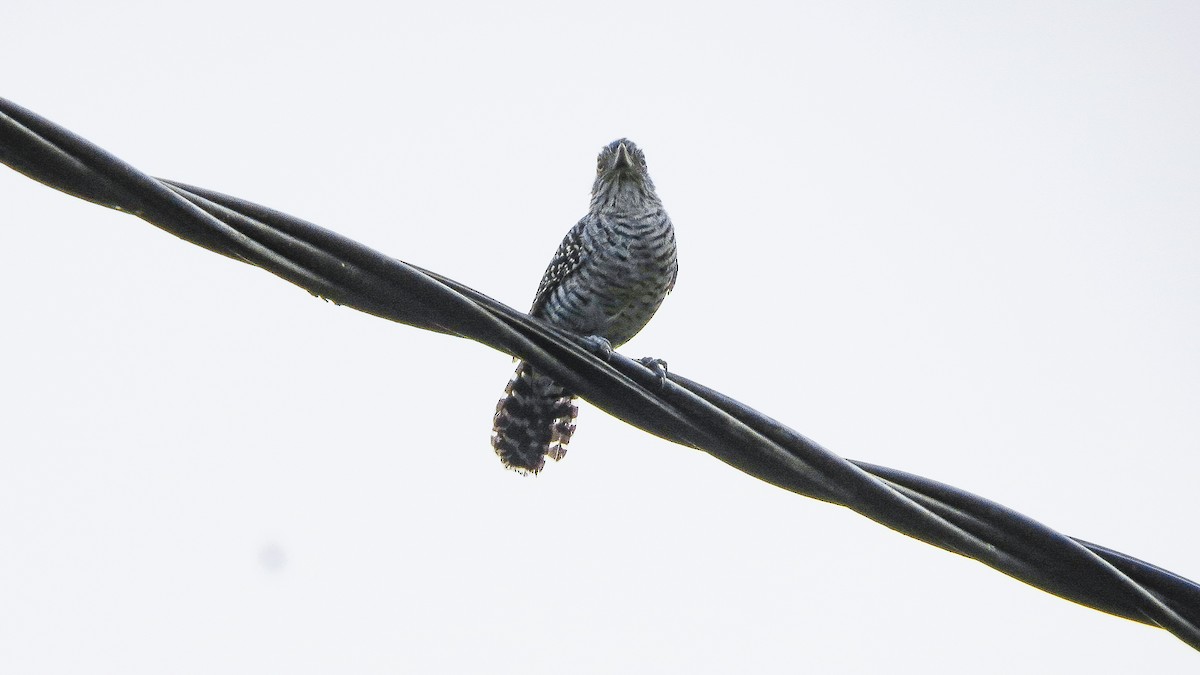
957	239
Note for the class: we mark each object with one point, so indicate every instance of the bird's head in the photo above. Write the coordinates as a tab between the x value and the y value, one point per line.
621	177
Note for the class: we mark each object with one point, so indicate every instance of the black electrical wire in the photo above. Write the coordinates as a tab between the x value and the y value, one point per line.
675	408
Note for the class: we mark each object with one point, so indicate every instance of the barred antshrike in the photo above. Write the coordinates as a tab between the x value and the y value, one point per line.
606	280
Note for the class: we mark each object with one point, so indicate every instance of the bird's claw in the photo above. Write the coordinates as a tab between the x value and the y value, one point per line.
659	367
599	346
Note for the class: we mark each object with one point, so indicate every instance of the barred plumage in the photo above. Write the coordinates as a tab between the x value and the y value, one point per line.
607	279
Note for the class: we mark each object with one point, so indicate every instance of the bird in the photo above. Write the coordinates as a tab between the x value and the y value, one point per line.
607	279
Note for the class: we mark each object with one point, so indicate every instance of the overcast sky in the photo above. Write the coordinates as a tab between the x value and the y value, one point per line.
958	239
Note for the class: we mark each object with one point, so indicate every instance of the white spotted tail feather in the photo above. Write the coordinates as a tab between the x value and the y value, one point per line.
534	420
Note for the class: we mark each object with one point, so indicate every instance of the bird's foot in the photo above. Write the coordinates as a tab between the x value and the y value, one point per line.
659	367
599	346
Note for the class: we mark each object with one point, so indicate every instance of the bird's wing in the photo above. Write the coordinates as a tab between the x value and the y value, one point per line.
566	260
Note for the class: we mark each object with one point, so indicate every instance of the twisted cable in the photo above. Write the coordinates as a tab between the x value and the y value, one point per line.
343	271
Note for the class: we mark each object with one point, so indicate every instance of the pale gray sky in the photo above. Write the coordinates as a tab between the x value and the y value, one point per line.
957	239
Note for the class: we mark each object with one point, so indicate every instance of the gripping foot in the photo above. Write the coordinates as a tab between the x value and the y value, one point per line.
659	367
599	346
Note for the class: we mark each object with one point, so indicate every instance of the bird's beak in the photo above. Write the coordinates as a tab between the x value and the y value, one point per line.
624	159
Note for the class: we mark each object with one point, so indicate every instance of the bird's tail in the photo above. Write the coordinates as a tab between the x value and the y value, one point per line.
533	421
